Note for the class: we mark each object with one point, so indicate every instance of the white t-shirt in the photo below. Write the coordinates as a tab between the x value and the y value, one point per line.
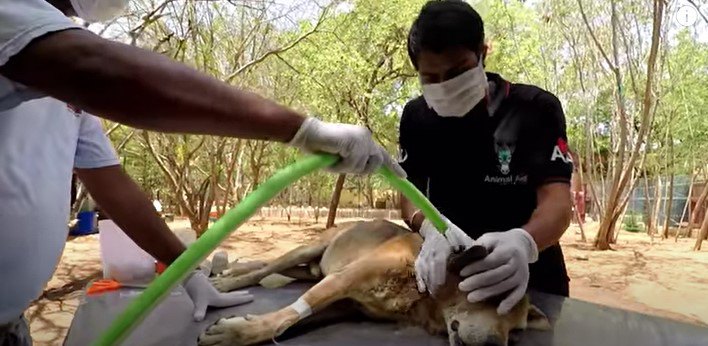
22	21
41	141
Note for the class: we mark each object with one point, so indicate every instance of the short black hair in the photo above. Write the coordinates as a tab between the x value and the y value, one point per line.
444	24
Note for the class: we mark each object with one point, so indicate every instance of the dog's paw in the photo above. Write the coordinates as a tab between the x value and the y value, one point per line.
223	283
237	331
242	268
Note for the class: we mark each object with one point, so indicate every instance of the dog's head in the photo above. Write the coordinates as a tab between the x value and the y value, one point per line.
479	324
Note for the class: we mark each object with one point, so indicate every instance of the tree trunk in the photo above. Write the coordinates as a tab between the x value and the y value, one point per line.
648	210
230	169
686	206
703	234
334	203
657	207
605	233
617	231
370	192
697	208
667	213
580	225
669	201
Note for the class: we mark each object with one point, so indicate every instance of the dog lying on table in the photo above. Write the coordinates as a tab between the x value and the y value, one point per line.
372	264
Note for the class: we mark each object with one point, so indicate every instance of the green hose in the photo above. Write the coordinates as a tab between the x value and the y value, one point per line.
199	250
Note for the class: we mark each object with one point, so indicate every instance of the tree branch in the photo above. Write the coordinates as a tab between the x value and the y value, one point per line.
166	171
284	49
594	38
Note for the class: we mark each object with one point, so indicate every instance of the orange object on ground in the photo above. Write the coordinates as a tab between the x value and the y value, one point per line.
107	285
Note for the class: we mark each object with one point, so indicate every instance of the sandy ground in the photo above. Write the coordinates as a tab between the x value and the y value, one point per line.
662	278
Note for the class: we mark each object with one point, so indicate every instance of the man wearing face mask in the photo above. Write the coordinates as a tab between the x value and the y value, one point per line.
492	157
52	72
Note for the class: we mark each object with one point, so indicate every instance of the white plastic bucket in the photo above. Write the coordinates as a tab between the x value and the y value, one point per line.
122	259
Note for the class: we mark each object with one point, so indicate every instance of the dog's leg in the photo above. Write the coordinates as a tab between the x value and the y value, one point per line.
300	255
336	286
308	272
240	268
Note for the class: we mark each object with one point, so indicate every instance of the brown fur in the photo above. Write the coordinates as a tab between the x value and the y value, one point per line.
371	263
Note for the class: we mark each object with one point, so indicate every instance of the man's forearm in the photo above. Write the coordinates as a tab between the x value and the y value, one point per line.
131	210
145	89
551	217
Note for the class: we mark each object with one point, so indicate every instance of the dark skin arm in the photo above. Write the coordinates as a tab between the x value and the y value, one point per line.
143	89
552	215
128	206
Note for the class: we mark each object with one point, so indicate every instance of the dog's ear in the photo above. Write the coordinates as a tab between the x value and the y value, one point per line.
536	319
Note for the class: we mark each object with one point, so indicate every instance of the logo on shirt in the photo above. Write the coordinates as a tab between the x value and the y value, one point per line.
504	157
560	151
518	179
76	110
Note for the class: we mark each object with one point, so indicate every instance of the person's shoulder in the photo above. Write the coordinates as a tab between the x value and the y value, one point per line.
25	20
532	95
414	117
414	110
415	106
537	101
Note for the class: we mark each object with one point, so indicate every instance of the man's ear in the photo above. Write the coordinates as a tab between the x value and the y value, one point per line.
536	319
486	49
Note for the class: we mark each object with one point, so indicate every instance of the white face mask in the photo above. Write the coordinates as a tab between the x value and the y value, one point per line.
99	10
457	96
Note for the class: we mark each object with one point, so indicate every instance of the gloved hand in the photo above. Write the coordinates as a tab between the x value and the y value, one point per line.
504	270
359	153
431	264
204	295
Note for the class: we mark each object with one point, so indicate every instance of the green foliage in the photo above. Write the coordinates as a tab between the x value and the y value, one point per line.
632	223
349	64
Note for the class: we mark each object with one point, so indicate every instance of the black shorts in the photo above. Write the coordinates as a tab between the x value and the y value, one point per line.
548	274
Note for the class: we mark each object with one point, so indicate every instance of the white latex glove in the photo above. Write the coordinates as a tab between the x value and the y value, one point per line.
204	295
359	153
505	269
431	264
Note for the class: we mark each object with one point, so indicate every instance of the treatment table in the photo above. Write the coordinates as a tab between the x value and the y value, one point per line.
575	323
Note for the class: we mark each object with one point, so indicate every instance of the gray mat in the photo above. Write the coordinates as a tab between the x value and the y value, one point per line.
575	323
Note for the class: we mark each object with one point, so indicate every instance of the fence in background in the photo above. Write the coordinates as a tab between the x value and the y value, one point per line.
643	195
311	212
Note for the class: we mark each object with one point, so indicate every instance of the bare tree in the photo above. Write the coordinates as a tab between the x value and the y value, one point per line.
624	169
230	41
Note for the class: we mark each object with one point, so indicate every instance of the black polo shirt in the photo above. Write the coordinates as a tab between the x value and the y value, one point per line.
482	170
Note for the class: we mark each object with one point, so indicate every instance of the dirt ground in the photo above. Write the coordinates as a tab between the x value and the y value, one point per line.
661	278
